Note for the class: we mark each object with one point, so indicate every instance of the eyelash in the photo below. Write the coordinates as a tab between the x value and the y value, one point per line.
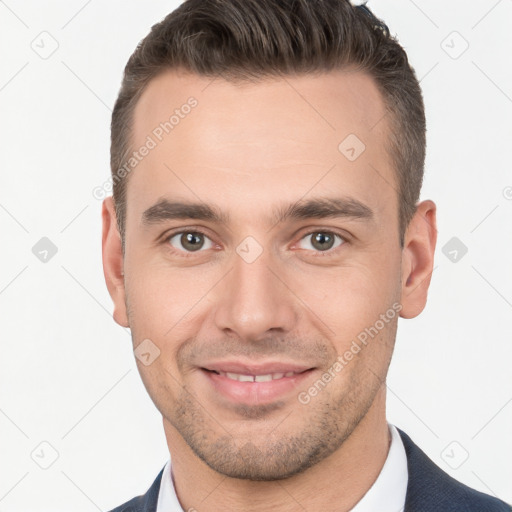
321	254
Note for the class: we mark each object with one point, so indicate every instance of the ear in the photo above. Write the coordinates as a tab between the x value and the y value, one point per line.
113	261
418	259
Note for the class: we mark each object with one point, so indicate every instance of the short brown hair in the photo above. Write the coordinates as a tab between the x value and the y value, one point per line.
248	40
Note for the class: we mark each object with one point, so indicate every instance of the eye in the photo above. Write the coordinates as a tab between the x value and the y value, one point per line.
321	241
190	241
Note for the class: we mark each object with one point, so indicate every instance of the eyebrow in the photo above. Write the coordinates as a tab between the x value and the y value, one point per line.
319	208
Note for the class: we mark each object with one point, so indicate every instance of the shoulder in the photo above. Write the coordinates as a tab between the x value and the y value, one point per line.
431	488
144	503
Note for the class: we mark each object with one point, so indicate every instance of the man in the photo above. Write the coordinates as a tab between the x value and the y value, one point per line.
263	238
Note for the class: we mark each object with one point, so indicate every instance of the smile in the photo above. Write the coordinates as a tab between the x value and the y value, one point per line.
256	378
255	386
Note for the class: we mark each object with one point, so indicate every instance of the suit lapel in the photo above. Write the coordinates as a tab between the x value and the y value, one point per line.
419	481
150	499
430	489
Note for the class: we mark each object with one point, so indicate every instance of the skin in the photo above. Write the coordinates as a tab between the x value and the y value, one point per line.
248	150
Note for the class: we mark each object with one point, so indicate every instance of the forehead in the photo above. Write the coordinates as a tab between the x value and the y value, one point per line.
331	102
248	140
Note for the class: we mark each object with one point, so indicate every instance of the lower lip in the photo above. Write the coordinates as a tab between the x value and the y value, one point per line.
254	393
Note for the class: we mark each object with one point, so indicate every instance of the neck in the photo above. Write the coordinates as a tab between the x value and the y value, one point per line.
336	483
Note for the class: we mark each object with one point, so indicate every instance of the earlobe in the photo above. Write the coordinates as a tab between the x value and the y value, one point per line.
418	259
113	261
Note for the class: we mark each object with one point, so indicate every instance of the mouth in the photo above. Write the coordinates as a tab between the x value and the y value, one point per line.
243	377
255	384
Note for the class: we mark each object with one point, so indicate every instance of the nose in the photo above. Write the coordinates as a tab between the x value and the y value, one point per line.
254	300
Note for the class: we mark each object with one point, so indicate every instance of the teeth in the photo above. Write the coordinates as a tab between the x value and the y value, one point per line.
256	378
262	378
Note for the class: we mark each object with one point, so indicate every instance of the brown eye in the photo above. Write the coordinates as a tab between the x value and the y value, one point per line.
321	241
190	241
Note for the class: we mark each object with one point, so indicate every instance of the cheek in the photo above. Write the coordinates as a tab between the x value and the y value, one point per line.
167	307
162	298
162	383
351	298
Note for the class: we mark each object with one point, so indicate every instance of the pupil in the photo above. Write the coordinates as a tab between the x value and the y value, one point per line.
320	239
191	241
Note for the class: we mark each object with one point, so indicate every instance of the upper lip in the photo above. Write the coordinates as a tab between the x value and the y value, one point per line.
262	368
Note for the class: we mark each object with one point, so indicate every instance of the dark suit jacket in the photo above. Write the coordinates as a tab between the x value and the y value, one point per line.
430	489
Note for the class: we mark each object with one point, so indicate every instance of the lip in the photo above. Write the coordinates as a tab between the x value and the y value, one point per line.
255	393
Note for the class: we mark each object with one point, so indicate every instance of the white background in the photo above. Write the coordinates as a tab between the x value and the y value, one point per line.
67	372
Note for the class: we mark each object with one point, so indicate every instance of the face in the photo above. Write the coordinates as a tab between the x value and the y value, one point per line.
262	248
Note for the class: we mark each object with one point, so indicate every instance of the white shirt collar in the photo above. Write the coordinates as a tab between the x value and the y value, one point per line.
387	494
167	499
